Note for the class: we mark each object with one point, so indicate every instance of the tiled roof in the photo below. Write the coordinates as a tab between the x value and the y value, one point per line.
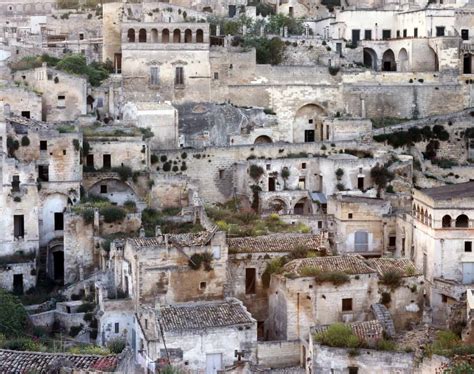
201	315
16	362
275	243
347	264
365	330
450	191
177	240
384	265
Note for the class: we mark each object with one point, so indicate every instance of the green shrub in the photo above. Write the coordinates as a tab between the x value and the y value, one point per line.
12	146
116	345
273	267
130	205
88	216
163	158
333	70
86	308
201	259
25	141
335	277
13	317
386	298
340	186
255	172
184	155
167	166
113	214
338	335
77	64
154	159
268	51
339	173
21	344
175	168
391	278
74	330
386	345
381	176
124	172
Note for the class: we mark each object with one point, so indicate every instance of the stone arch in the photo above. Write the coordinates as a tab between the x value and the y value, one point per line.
278	205
52	217
177	36
154	35
142	36
263	139
418	212
165	36
199	36
303	207
431	61
430	220
131	35
55	260
188	36
446	221
370	58
388	61
403	60
116	191
308	124
462	221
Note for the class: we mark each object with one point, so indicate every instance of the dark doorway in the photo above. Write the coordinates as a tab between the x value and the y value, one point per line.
308	136
58	262
18	226
58	221
271	184
465	34
43	173
467	64
360	183
118	63
355	37
107	160
18	284
250	277
232	10
90	161
25	113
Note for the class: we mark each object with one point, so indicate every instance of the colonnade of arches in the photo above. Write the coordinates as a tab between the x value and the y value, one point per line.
165	35
391	61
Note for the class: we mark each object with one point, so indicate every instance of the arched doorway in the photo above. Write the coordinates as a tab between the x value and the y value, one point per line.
308	124
277	206
188	36
263	139
165	36
142	36
388	61
462	221
302	207
370	58
199	36
55	261
403	60
154	35
131	36
177	36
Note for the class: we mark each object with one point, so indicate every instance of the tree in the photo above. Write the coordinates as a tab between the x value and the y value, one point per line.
268	51
13	316
381	176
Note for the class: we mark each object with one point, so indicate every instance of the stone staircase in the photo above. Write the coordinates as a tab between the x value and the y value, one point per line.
382	314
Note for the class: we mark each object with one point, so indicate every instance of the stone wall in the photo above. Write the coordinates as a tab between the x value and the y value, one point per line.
279	354
28	271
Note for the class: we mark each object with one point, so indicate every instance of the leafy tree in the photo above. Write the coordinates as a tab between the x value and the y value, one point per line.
268	51
77	64
13	316
277	21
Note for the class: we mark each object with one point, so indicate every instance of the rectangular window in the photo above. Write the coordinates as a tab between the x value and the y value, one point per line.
349	215
61	101
361	241
59	221
43	145
25	113
368	34
465	34
43	173
320	224
179	76
250	278
347	305
415	32
216	76
154	75
405	33
386	34
398	34
16	183
355	36
392	240
444	298
467	246
107	161
216	252
117	327
81	36
90	160
302	183
309	136
103	188
221	174
440	30
18	226
360	183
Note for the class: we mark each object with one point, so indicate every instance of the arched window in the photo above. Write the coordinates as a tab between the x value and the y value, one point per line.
188	36
177	36
430	220
462	221
131	35
142	36
361	241
154	35
165	36
446	221
199	36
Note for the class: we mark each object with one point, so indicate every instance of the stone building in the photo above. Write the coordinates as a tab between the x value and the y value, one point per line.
442	243
64	96
21	101
299	300
200	336
157	269
248	259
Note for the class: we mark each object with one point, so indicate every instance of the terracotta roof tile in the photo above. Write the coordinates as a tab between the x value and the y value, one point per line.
403	265
177	240
347	264
17	362
201	315
276	243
